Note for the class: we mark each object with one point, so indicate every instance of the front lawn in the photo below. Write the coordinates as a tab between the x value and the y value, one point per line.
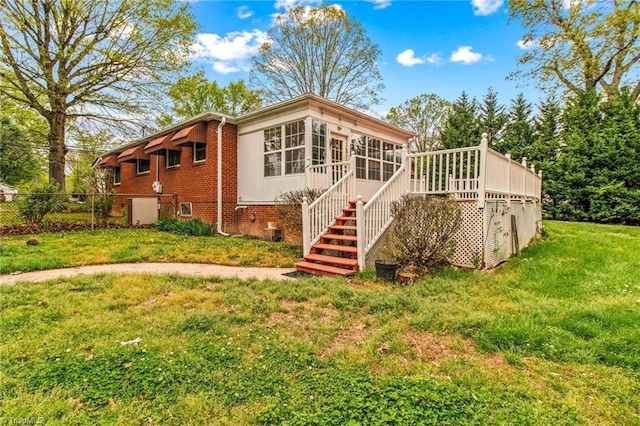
549	338
140	245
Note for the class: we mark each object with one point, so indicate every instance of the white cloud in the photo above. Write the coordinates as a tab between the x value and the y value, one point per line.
380	4
224	68
244	12
486	7
229	53
526	45
408	58
466	55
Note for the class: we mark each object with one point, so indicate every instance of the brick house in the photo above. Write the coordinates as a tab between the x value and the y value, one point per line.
282	147
229	170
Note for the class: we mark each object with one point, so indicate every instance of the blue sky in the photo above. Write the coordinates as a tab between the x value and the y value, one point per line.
441	47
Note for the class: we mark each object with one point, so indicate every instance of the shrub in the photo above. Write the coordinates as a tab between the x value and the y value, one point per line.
43	200
102	204
289	207
194	227
423	230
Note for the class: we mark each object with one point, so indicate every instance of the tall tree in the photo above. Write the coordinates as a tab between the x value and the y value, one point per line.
492	117
319	50
103	60
88	145
518	137
580	44
425	116
195	94
462	127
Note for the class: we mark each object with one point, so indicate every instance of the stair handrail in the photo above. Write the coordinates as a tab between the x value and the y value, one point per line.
321	213
374	217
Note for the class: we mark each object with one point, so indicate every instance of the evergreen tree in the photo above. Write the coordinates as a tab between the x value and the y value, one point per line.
462	127
492	117
518	135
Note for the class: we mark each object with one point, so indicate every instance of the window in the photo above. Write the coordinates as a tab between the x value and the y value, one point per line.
375	159
293	149
199	152
116	175
185	209
318	142
272	151
142	166
173	158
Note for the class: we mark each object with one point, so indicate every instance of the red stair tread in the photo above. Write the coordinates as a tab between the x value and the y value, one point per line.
346	218
344	227
331	259
322	269
339	237
336	247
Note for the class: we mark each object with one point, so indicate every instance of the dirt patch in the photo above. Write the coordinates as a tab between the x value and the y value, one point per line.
352	336
437	348
303	314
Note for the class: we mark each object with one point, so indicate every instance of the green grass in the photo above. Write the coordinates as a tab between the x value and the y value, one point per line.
140	245
548	338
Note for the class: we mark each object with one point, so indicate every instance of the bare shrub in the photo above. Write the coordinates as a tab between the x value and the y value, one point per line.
289	207
423	230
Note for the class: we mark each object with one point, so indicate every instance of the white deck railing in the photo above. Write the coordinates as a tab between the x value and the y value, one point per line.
323	176
374	217
322	213
475	173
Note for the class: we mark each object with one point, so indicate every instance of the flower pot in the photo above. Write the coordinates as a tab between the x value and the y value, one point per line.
386	270
406	277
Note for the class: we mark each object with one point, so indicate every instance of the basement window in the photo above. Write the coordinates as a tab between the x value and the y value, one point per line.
185	209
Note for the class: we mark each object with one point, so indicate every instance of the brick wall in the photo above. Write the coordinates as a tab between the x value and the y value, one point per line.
191	182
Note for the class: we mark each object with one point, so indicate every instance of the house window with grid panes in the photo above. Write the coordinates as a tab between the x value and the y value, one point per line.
388	160
273	151
373	154
294	147
318	142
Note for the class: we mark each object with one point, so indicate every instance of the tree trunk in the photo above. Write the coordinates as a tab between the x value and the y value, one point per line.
57	148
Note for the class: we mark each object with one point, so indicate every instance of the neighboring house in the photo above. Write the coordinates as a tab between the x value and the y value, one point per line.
229	170
7	193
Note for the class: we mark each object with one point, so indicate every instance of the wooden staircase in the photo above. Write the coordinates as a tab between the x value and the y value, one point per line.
336	254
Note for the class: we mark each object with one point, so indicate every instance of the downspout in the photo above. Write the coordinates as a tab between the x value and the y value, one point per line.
219	191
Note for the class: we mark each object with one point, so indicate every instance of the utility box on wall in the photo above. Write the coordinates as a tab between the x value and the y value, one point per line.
143	211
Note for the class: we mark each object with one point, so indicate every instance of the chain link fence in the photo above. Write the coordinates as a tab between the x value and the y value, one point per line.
26	213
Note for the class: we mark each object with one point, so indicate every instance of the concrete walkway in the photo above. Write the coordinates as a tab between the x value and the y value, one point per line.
193	269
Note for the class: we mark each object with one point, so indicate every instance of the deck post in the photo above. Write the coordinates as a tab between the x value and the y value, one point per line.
407	166
306	227
540	186
526	172
508	155
352	166
360	226
482	173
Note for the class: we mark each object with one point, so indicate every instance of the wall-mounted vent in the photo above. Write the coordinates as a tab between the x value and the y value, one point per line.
185	209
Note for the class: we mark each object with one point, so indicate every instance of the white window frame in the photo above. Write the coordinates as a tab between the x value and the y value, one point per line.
118	174
173	166
278	136
186	209
145	172
195	150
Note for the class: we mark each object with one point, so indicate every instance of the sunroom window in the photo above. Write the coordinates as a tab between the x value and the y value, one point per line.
293	149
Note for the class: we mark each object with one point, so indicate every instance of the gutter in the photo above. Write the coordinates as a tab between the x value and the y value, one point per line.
219	190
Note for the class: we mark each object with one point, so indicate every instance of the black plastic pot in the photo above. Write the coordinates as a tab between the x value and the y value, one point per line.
386	270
